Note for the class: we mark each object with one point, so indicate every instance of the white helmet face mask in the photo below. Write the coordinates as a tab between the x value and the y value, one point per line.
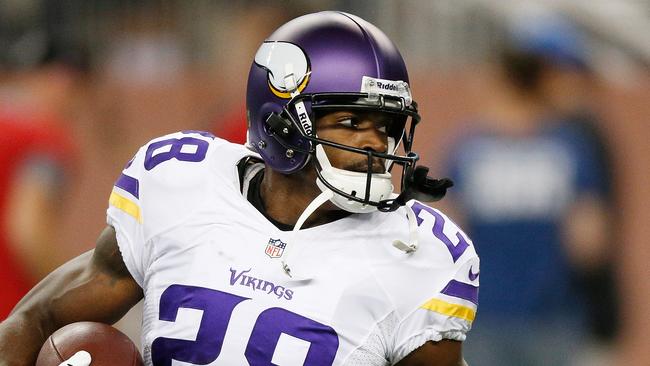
354	183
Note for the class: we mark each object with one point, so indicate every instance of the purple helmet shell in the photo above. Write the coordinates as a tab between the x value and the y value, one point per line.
320	53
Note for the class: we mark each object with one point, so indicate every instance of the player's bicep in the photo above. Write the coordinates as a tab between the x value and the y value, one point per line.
107	257
94	287
103	284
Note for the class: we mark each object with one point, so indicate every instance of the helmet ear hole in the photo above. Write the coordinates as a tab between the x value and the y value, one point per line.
279	126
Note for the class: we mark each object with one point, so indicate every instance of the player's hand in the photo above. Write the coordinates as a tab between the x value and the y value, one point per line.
81	358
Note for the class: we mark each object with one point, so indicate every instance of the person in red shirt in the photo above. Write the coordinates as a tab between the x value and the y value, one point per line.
36	159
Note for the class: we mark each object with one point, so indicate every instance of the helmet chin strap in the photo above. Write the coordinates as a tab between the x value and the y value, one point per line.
412	245
313	206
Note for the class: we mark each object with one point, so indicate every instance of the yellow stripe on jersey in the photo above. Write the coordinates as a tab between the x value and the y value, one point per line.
120	202
445	308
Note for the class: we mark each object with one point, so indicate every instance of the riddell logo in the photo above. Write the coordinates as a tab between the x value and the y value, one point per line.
305	123
386	86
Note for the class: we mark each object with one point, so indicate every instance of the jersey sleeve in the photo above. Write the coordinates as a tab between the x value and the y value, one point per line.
155	191
453	285
125	214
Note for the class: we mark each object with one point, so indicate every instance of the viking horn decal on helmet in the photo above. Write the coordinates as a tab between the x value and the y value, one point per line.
274	57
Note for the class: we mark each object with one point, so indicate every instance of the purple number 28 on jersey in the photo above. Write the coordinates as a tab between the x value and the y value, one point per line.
217	309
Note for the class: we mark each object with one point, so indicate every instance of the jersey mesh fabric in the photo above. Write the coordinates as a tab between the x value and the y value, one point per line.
373	350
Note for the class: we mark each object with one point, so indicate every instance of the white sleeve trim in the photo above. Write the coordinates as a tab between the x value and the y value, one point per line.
424	325
428	334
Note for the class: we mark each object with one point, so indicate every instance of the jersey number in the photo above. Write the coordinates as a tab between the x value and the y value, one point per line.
217	307
437	229
183	149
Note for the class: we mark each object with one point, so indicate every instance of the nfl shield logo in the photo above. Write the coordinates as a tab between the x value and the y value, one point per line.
275	248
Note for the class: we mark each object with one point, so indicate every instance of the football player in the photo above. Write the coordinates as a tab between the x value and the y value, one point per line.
291	250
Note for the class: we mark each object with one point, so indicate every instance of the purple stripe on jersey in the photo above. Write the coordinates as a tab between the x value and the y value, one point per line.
462	290
129	184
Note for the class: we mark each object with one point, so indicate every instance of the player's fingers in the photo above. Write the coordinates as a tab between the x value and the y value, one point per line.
81	358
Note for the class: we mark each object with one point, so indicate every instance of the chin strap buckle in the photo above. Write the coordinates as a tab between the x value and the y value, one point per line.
404	247
412	246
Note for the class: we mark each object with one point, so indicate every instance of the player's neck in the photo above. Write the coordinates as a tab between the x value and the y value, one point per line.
285	198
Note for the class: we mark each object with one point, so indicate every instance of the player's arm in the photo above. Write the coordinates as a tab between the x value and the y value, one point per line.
443	353
96	286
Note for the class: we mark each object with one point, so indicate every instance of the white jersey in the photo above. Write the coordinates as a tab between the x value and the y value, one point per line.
210	265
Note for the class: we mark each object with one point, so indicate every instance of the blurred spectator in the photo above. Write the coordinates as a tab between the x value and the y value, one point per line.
233	127
566	83
36	155
533	186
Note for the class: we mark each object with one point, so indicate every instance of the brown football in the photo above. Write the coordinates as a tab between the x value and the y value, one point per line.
107	346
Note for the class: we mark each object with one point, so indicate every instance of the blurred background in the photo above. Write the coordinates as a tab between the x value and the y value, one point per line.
539	110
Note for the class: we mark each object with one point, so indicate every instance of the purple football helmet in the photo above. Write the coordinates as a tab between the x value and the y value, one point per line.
324	62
